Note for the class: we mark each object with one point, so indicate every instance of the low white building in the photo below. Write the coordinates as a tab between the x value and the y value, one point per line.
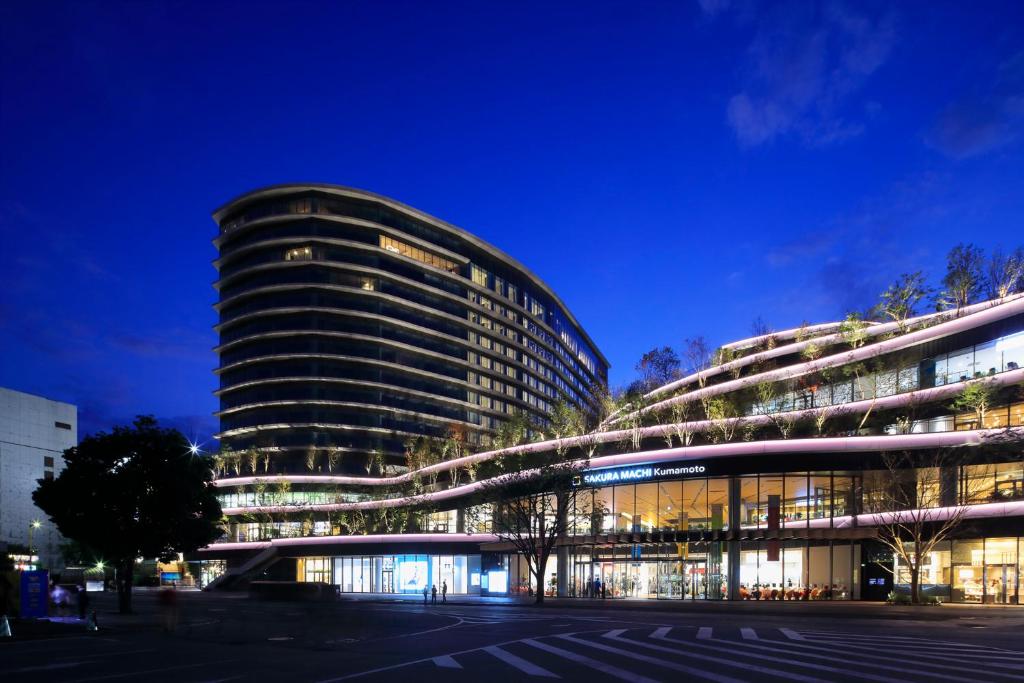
34	432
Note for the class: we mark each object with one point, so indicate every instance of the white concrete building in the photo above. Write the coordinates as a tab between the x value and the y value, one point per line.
34	432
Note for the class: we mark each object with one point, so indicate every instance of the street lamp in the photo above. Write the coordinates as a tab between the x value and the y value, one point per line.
31	528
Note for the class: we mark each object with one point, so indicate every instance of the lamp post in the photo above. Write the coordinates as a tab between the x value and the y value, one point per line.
31	528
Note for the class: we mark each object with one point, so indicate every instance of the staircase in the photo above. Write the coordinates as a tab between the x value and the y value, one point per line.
236	577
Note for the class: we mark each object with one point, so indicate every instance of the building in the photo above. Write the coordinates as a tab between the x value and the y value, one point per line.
34	433
777	472
350	325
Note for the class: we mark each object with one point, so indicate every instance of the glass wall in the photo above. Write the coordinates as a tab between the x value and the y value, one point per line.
396	573
981	571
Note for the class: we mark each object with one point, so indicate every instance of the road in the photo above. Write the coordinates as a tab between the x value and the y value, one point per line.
232	638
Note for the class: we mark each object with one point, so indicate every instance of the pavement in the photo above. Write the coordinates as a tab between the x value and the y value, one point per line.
226	637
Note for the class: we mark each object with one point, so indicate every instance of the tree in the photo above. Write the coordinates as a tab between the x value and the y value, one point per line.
977	397
962	284
899	300
530	503
658	367
915	506
1004	273
134	492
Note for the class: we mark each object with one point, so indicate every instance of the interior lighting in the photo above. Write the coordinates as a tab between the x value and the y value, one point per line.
1013	341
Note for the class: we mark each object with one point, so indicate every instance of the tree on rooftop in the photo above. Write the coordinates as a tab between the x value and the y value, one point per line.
658	367
900	299
964	279
1004	273
137	491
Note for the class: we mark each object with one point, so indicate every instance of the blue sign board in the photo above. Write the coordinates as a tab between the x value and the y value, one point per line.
35	594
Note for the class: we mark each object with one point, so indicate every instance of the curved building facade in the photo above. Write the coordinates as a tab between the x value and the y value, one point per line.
350	323
773	473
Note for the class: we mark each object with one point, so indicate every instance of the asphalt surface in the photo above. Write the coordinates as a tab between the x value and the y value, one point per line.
232	638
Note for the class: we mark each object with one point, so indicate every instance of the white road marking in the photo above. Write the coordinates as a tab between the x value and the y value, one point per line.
916	672
528	668
616	632
718	660
603	667
791	634
660	632
748	633
704	632
446	662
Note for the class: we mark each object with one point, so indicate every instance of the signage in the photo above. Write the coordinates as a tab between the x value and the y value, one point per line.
625	475
35	594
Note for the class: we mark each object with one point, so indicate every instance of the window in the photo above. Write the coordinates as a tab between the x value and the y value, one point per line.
47	475
299	254
47	461
62	425
397	247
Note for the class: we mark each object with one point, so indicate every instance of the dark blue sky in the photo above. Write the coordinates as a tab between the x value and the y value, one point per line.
669	168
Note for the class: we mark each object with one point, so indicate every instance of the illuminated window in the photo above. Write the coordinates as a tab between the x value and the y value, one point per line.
368	283
299	254
397	247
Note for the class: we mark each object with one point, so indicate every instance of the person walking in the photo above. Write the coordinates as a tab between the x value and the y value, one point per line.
425	591
444	592
433	594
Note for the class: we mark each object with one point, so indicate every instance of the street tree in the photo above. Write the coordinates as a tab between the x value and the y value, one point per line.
136	491
964	279
530	504
916	507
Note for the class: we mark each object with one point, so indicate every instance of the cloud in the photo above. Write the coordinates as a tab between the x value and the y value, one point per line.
804	65
984	120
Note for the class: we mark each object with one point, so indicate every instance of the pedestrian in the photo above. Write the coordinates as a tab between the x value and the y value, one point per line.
444	591
433	594
590	587
83	602
604	590
169	606
425	591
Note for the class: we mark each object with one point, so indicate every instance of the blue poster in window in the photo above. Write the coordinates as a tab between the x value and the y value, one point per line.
35	594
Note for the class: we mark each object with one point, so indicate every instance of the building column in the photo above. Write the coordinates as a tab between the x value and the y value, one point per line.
733	546
460	521
562	570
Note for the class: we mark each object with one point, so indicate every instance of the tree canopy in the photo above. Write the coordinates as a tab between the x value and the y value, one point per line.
137	491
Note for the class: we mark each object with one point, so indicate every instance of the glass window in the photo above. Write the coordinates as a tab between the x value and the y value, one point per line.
624	499
960	366
299	254
603	512
819	496
769	500
645	519
670	508
748	501
1012	349
718	503
794	505
695	504
1001	570
977	484
987	359
929	487
1009	479
968	571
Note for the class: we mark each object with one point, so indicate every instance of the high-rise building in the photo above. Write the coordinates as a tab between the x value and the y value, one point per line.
34	433
350	323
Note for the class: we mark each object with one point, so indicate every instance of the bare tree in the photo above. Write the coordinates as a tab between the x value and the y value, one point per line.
530	505
1004	273
964	279
658	367
915	508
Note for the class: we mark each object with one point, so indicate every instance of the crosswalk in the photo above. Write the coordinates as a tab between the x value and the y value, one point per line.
718	654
